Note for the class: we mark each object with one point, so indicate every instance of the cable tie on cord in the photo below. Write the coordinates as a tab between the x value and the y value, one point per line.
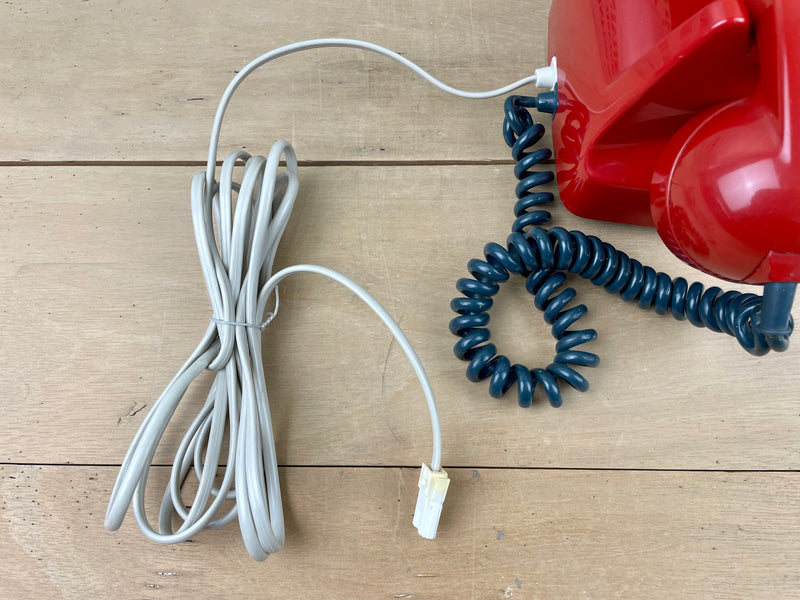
262	326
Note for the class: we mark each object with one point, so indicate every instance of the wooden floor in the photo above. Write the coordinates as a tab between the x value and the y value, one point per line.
675	476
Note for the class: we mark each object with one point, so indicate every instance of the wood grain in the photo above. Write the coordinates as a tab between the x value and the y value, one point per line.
100	81
504	534
675	476
104	300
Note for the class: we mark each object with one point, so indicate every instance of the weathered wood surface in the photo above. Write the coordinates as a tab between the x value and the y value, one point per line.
504	534
140	81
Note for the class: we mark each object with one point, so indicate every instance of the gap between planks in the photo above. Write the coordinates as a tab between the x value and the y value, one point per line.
300	163
483	467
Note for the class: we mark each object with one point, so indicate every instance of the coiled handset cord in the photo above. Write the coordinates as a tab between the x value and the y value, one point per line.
544	257
237	267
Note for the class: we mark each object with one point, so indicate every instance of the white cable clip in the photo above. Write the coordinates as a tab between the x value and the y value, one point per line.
547	77
432	490
262	326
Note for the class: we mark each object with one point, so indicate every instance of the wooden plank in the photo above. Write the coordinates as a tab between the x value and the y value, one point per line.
110	81
103	300
504	534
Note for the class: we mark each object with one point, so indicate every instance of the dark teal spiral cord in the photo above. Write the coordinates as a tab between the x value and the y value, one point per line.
545	256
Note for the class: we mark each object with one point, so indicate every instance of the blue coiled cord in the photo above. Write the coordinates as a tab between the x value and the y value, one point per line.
545	256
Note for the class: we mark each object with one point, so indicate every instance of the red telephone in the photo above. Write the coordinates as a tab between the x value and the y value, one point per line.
681	113
673	113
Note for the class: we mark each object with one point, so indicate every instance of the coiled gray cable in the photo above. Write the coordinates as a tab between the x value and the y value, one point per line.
237	267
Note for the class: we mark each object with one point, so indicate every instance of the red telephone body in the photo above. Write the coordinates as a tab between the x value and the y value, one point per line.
681	114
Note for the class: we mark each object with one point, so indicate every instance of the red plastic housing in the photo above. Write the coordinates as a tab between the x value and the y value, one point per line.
684	114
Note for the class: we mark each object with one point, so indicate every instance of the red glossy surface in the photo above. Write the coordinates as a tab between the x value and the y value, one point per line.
689	104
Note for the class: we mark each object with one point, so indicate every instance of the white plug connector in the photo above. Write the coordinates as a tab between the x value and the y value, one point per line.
432	490
547	77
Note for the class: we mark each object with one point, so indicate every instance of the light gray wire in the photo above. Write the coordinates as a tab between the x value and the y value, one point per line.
336	43
238	274
237	268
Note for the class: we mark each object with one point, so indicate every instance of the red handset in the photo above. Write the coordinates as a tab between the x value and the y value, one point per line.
680	113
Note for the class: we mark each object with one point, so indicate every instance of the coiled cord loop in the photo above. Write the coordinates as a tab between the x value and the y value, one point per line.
521	257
